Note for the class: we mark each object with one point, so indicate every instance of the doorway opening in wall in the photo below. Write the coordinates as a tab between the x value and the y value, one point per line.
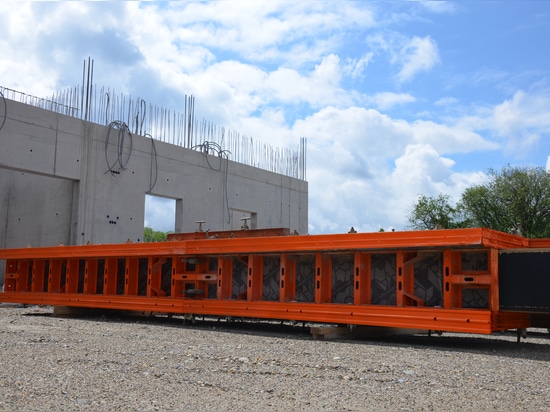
159	219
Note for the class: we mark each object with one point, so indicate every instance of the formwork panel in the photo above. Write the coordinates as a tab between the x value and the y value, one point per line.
428	279
305	278
272	267
342	278
239	278
475	298
524	281
383	279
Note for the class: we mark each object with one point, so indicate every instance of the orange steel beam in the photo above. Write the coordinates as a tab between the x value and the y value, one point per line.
493	276
131	276
11	277
71	275
457	320
379	241
255	278
90	276
362	278
360	241
539	243
37	283
54	276
23	275
287	292
229	234
323	278
225	270
157	277
404	278
110	275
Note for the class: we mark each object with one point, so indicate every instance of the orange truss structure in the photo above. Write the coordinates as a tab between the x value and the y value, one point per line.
442	280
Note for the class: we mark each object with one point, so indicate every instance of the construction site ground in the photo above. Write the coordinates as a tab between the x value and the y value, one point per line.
106	363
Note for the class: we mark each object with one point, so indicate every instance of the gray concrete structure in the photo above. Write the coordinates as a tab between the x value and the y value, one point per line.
62	181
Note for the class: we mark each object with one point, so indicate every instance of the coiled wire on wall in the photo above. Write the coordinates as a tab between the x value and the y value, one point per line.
214	149
121	159
5	110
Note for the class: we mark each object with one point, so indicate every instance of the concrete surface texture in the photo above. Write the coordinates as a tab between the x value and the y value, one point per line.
64	180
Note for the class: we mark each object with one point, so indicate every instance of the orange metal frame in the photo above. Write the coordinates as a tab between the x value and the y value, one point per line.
194	274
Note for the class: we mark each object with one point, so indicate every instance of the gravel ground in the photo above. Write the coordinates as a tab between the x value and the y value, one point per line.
112	363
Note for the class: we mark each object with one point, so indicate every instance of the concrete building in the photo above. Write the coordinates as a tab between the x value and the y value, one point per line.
70	181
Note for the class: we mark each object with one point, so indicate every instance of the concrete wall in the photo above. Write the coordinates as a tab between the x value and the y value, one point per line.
56	185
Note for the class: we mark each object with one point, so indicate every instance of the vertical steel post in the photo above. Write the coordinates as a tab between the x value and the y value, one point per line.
494	297
362	278
255	277
110	272
38	275
90	276
54	276
131	277
287	279
323	278
71	275
225	277
452	265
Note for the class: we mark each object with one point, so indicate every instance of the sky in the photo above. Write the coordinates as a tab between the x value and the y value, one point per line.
396	98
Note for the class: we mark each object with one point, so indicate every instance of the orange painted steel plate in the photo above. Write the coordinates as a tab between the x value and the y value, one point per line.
97	251
138	303
427	318
539	243
455	238
226	234
379	241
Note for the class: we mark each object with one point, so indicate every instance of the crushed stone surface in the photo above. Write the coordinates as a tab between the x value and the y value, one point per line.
159	363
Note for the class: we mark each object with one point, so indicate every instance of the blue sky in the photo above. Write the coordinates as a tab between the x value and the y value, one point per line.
396	98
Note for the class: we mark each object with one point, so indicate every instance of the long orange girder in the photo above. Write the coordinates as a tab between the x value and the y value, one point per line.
355	278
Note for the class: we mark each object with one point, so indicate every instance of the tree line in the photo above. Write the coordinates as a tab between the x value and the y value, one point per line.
150	235
512	200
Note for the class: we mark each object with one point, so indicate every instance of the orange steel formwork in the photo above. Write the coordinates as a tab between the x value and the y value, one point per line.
443	280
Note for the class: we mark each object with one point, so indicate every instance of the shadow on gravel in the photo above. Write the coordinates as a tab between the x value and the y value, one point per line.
536	349
539	349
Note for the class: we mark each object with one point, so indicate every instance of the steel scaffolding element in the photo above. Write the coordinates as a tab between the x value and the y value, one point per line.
442	280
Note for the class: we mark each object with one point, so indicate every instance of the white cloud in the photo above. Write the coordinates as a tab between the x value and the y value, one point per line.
320	88
522	120
446	101
366	169
410	55
419	54
357	67
518	124
439	6
386	100
450	139
288	31
280	70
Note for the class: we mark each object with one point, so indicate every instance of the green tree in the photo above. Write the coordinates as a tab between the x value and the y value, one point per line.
514	199
432	213
150	235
